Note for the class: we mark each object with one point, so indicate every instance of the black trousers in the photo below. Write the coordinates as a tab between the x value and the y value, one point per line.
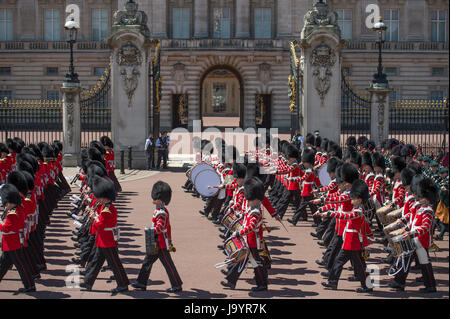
164	256
320	230
16	258
95	265
288	197
162	155
149	157
329	232
37	247
86	249
210	204
261	276
358	263
427	273
332	251
301	209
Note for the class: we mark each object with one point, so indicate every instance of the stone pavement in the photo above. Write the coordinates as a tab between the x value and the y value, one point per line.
294	273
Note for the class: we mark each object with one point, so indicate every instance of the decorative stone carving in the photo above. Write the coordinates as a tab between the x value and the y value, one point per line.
265	73
319	17
322	59
129	58
178	73
131	17
70	106
381	101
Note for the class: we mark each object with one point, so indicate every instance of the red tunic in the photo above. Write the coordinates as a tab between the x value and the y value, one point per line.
161	223
398	194
106	220
10	229
292	171
354	237
421	224
109	161
252	227
343	204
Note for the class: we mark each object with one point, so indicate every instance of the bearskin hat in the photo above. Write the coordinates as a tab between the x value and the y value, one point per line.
309	139
253	189
253	170
391	143
207	147
349	173
48	151
106	141
398	164
334	150
30	159
10	194
30	180
416	167
24	166
283	147
378	160
369	145
427	188
397	150
17	179
59	145
356	159
99	146
103	188
4	148
95	155
219	143
308	156
406	176
96	168
359	189
367	159
317	141
361	140
13	145
351	141
324	144
338	172
162	191
37	151
239	170
349	151
333	163
231	153
408	150
415	183
292	151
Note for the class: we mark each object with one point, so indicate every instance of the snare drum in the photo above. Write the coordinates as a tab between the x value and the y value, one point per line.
393	229
382	212
236	249
402	246
394	215
228	219
369	209
237	223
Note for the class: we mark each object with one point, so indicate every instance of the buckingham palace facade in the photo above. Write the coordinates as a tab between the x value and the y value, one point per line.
224	58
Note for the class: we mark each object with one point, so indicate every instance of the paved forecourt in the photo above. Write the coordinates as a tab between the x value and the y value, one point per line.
294	274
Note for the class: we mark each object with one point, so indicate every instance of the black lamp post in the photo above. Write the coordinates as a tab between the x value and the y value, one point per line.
71	28
379	78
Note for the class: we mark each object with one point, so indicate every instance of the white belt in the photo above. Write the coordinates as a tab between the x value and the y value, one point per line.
309	183
10	233
110	229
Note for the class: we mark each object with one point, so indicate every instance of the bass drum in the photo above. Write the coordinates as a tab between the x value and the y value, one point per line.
199	168
324	177
206	183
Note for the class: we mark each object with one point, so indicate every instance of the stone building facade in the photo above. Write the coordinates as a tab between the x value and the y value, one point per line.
226	58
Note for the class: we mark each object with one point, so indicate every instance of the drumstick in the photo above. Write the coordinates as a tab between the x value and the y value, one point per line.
283	225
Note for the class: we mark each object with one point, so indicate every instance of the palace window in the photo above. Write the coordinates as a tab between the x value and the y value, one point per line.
5	70
52	95
437	71
436	95
99	71
52	71
219	97
393	96
345	23
6	25
99	24
4	94
181	23
438	26
390	71
52	25
263	23
222	23
391	19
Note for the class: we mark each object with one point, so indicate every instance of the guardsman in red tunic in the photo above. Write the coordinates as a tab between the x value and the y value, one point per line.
307	179
291	192
106	238
354	239
378	189
419	229
398	192
161	195
110	160
10	225
252	230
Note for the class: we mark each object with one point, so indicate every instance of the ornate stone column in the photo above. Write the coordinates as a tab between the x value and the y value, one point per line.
320	62
71	124
131	58
379	114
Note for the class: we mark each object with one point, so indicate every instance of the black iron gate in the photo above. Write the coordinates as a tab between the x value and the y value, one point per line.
295	89
180	110
95	110
263	111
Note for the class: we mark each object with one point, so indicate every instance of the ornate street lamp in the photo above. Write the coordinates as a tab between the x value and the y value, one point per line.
71	28
379	78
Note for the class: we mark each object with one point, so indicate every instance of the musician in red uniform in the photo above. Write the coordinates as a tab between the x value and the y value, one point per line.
161	195
291	192
398	192
252	230
377	191
419	228
307	179
354	238
10	226
106	238
110	160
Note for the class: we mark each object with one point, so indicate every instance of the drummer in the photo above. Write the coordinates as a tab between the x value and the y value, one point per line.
419	228
239	172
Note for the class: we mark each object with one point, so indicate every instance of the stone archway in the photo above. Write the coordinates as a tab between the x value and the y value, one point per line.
221	97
